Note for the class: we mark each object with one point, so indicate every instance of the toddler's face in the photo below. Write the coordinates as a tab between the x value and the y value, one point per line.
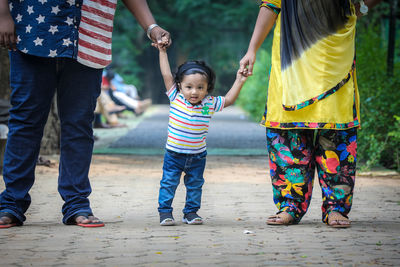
194	87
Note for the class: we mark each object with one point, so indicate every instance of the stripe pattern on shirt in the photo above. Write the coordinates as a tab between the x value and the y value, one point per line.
188	124
95	32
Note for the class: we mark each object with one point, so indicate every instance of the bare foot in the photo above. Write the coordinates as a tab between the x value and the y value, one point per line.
5	220
86	220
8	220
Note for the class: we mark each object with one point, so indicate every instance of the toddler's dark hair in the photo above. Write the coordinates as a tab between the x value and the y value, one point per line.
193	67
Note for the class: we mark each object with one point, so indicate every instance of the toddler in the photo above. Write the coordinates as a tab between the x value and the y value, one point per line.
191	109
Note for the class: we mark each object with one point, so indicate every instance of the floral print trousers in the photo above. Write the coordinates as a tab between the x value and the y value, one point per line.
293	155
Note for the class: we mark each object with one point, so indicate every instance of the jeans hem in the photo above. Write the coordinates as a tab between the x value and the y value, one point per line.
68	217
20	219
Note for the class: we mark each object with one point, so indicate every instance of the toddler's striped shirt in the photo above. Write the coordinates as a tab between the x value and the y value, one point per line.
188	124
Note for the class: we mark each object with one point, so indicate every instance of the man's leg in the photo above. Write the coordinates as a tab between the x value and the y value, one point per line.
33	84
77	92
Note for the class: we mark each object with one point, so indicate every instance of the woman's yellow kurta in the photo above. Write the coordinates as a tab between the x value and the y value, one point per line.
318	89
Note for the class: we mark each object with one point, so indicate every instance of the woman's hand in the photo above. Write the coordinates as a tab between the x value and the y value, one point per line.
247	63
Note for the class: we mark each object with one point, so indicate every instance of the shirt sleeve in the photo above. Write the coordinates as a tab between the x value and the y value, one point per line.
172	92
274	5
219	103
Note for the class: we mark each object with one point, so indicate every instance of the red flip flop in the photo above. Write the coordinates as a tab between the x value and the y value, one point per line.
9	225
72	221
91	224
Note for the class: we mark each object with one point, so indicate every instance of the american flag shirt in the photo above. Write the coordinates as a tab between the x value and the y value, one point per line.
78	29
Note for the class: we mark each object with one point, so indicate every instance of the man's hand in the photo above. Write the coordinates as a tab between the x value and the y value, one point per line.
160	37
8	38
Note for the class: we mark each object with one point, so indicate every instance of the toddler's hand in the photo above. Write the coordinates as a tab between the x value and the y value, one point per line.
161	46
242	75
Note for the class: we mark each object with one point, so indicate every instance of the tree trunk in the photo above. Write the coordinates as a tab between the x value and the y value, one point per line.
51	137
392	38
4	75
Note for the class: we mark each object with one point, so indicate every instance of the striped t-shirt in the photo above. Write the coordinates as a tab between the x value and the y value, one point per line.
188	124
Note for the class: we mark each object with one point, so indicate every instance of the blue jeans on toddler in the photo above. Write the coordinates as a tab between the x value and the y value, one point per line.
174	164
34	81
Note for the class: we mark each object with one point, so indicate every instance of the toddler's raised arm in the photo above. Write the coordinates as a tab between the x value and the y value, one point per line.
164	67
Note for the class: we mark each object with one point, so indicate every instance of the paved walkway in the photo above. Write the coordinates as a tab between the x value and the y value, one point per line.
237	199
230	133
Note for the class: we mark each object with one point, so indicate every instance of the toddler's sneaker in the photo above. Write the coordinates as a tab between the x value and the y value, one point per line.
166	219
192	218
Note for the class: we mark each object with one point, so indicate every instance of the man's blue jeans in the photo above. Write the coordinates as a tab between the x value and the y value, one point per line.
34	81
174	164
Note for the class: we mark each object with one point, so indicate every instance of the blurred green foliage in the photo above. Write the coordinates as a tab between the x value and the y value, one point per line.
214	31
378	141
127	45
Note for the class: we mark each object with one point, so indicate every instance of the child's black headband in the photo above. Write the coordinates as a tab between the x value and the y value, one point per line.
193	65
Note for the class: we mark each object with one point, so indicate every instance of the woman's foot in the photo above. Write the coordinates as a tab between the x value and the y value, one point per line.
337	220
282	218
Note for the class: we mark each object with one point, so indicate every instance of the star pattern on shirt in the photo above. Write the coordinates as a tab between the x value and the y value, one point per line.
30	10
55	10
38	41
18	18
53	29
47	28
53	53
67	42
28	28
40	19
69	21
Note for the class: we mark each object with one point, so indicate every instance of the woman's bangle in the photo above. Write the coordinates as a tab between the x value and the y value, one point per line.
150	28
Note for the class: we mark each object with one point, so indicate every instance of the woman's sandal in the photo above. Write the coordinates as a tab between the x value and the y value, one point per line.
282	218
337	220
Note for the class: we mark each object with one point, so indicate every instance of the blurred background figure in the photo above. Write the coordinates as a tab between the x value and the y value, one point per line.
107	108
125	94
